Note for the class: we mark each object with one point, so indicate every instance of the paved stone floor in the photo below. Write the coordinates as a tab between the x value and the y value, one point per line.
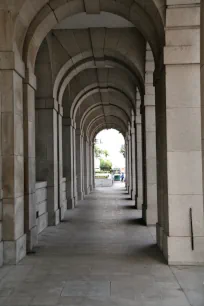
101	255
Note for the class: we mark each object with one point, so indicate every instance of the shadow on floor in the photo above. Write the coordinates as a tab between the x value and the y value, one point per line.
135	221
151	251
128	207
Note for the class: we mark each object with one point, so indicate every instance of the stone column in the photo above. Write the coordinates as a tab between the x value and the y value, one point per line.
47	153
134	157
184	150
161	148
68	160
150	204
127	163
12	147
79	164
62	200
29	161
86	166
91	166
74	163
139	156
130	160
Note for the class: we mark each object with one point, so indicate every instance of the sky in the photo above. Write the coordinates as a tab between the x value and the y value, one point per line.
111	140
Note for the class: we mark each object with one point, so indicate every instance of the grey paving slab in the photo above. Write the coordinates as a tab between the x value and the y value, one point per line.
100	255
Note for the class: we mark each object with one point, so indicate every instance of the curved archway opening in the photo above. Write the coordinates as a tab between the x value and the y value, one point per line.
109	157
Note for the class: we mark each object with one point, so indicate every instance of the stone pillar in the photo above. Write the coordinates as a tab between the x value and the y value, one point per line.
134	158
130	161
184	150
139	156
127	163
91	147
62	200
150	204
29	161
161	149
79	161
74	163
12	146
68	160
86	166
47	153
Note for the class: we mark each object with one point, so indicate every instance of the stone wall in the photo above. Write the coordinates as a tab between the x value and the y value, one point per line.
41	206
103	182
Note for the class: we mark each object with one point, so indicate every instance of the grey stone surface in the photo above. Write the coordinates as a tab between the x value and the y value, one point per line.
100	255
42	222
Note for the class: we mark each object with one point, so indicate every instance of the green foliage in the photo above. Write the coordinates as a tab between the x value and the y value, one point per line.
105	165
122	150
99	152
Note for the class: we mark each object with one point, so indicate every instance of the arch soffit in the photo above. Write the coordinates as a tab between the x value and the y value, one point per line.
107	125
95	108
64	78
108	119
88	92
42	17
81	120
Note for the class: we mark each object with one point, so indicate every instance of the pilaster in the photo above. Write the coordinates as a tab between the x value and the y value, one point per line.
47	164
184	146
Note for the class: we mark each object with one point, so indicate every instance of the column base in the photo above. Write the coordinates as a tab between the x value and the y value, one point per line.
159	233
70	203
139	204
149	215
87	191
133	195
14	251
80	196
32	239
178	251
54	218
63	209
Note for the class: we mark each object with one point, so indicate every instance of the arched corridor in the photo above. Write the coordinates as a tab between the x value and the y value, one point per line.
70	69
102	254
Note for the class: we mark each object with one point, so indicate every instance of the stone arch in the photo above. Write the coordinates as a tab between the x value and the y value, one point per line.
112	107
106	119
95	90
84	117
41	19
105	125
61	83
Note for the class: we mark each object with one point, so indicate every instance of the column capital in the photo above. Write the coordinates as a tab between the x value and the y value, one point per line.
67	121
30	79
47	103
9	60
78	132
60	109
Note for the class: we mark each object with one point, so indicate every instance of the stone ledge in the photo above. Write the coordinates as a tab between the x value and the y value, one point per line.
40	185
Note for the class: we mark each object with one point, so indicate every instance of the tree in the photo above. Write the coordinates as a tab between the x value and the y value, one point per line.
122	150
105	165
99	152
105	152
